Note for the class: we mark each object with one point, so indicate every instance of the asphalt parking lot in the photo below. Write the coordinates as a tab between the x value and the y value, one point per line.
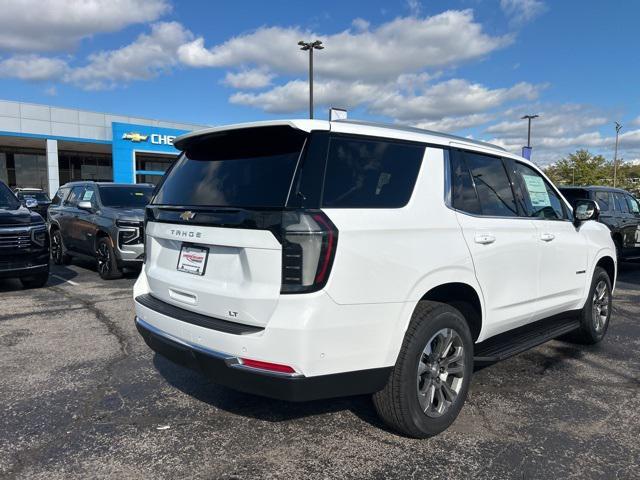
82	396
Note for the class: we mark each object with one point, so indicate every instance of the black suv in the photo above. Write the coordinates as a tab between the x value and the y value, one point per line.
35	199
24	244
619	211
102	221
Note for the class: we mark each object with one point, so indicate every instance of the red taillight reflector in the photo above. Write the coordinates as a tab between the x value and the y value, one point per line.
273	367
328	251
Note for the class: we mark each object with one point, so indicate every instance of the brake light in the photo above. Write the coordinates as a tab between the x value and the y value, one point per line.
272	367
309	241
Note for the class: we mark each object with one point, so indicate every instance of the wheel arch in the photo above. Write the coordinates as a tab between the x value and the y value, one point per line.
609	265
456	286
465	298
100	233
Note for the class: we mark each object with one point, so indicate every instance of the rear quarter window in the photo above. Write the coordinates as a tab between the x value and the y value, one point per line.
251	167
370	173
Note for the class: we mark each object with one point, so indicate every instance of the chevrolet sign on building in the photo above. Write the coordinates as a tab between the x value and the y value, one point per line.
45	146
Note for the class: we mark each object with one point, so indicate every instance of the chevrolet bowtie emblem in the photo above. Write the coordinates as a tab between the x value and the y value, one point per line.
188	215
135	137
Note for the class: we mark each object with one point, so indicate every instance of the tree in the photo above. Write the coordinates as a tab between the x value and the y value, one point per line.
581	168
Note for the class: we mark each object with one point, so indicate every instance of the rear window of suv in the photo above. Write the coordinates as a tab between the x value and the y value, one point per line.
251	167
364	173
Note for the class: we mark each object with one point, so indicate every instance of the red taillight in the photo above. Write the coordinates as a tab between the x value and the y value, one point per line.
272	367
309	242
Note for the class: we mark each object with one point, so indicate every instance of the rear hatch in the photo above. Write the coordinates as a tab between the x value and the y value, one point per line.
212	243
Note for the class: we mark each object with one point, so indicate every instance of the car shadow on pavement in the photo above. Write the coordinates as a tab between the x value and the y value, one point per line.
629	273
261	408
57	276
92	265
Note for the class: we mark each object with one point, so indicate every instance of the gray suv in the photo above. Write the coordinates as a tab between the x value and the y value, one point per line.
101	221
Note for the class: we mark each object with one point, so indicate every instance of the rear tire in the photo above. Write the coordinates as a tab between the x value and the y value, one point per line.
107	263
596	313
36	281
430	381
57	249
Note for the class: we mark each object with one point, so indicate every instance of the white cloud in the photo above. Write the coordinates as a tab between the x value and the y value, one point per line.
403	45
414	7
145	58
449	98
454	124
54	25
32	67
294	96
408	99
522	11
360	24
560	130
249	79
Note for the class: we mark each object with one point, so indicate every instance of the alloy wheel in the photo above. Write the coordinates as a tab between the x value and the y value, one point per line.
600	306
56	247
440	372
104	258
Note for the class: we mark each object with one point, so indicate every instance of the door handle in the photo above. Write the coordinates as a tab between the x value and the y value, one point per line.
547	237
484	238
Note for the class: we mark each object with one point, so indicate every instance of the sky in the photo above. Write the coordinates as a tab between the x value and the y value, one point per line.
469	67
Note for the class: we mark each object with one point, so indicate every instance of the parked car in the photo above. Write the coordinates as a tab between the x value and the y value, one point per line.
101	221
619	210
311	259
28	195
24	243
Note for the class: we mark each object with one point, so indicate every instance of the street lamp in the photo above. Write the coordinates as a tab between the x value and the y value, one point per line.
310	46
529	118
615	155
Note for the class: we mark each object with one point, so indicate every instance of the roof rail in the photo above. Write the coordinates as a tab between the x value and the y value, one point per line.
404	128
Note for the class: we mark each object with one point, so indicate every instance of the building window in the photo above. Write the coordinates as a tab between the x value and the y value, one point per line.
151	167
85	166
23	167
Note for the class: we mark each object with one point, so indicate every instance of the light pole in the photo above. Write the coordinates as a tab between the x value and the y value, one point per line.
529	118
310	46
615	155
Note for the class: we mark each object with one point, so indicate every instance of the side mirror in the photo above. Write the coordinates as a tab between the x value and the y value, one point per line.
585	210
85	206
31	203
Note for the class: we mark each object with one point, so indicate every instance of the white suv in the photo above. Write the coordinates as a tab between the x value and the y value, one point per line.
310	259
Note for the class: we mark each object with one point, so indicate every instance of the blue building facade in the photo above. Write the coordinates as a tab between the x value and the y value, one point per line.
46	146
133	142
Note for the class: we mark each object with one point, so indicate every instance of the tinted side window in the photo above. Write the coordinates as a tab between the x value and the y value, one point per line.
604	201
463	193
621	203
633	204
364	173
74	196
59	196
88	196
540	199
492	184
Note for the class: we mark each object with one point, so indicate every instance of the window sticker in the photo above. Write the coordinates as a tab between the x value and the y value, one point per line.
537	191
88	195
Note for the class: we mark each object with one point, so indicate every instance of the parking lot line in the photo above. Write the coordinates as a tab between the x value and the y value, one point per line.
71	282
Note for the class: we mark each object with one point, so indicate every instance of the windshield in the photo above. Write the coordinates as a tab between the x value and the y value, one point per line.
251	167
39	196
134	196
8	200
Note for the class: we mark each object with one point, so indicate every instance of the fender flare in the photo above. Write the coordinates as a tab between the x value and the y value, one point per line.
450	274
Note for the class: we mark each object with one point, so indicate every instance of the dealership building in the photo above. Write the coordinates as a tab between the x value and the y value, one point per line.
45	146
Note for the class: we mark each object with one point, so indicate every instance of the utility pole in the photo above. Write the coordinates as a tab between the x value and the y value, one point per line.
310	46
615	155
529	118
